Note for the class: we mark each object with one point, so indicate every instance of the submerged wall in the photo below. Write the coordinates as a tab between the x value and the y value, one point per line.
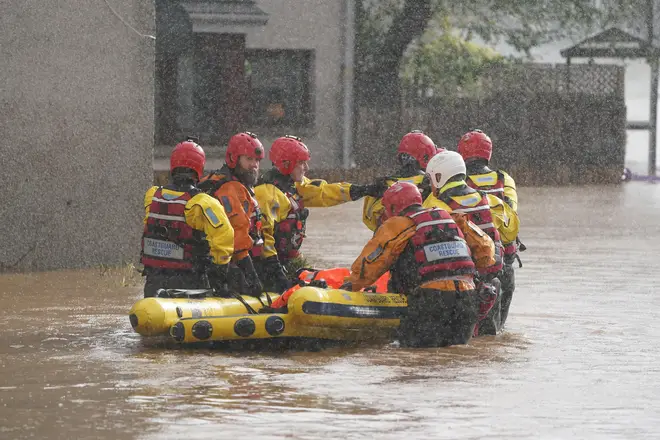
76	120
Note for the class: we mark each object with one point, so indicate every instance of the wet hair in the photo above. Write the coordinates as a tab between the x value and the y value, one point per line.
478	161
408	165
406	160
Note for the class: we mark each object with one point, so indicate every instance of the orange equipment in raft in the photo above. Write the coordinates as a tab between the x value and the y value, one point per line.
334	278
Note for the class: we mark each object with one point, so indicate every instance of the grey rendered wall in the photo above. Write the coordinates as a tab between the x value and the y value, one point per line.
76	131
311	24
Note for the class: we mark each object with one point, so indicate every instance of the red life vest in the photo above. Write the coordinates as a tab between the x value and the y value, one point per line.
479	214
214	181
168	242
290	232
439	246
511	248
476	181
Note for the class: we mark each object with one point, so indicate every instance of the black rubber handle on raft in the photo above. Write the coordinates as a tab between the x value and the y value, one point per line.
245	303
184	293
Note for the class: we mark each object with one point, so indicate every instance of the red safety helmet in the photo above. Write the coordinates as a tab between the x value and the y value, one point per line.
475	144
188	155
419	146
243	144
286	152
400	196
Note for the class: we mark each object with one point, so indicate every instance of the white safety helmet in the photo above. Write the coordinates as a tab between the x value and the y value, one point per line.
443	166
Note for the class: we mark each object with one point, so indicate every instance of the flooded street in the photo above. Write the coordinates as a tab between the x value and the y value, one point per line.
580	357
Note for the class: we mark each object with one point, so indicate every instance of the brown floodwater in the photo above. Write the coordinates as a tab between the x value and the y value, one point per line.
580	357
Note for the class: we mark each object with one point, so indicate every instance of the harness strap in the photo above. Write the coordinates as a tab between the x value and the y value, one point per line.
249	308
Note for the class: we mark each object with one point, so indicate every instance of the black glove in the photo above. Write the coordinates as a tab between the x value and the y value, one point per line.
217	275
425	187
255	288
374	190
243	278
347	286
319	283
275	274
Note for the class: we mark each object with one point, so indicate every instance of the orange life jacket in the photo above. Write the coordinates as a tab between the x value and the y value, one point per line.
212	182
334	277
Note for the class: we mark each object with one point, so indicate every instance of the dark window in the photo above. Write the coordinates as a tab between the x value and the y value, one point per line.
201	89
186	115
280	84
201	97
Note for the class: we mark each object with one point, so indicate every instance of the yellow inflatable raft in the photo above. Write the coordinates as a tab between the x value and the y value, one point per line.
313	312
155	316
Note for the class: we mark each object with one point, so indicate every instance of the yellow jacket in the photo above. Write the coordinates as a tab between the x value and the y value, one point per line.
489	179
372	208
433	202
275	205
510	192
505	219
204	213
317	193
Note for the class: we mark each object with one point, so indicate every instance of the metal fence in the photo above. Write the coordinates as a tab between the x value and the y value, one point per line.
550	124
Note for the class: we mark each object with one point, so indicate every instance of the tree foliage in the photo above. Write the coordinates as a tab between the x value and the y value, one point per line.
386	29
447	64
528	24
430	43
